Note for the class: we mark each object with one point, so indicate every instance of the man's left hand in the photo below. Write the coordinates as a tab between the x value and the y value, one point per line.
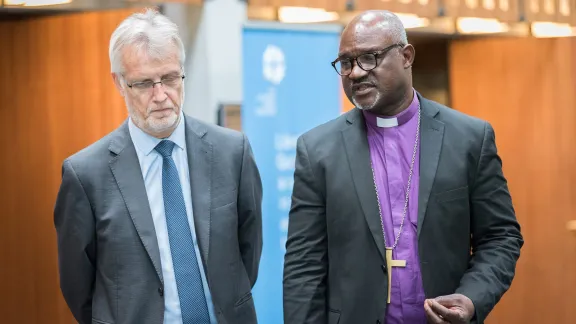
452	309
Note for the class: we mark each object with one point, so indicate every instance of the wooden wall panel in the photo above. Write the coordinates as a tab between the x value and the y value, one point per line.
336	5
561	11
423	8
504	10
328	5
430	69
298	3
258	3
57	97
525	88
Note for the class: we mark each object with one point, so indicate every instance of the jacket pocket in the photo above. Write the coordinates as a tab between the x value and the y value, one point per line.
95	321
333	316
451	195
243	299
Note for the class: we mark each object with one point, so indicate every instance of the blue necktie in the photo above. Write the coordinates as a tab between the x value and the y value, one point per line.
188	280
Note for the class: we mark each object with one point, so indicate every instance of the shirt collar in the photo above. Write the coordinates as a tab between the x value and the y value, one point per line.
146	143
400	119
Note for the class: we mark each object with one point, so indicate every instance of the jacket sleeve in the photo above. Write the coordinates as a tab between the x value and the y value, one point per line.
250	213
496	237
75	230
306	258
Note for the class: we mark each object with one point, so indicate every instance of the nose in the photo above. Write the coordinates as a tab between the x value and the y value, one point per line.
357	72
159	93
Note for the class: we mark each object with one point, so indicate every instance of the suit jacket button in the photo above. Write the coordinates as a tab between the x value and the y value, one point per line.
384	269
378	322
161	292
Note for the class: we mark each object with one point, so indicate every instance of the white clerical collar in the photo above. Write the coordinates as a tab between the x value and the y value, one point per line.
393	121
386	122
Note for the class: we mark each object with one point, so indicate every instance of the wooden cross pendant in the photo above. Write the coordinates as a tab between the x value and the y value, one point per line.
389	264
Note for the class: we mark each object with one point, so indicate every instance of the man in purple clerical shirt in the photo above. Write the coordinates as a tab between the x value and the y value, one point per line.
400	209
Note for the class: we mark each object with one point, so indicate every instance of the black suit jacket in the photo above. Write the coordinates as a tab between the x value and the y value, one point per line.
334	268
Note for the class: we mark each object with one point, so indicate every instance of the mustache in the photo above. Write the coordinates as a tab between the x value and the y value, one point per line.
361	83
160	108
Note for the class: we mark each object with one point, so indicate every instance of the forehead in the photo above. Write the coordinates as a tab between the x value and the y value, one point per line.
138	63
361	38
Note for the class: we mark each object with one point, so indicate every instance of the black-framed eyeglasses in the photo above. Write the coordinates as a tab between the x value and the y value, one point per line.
170	81
366	61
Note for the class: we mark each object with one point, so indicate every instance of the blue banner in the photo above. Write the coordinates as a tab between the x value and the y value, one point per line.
289	88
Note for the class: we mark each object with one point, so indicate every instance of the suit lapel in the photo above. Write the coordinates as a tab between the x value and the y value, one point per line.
126	171
200	169
431	136
358	153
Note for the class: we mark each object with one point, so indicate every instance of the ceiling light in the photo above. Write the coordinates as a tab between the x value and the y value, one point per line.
34	3
549	29
412	21
305	15
472	25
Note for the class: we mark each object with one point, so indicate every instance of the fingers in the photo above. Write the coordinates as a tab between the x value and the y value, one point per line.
452	308
431	315
449	301
448	315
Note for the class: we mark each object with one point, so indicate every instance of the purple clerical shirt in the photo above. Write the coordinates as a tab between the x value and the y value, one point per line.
391	141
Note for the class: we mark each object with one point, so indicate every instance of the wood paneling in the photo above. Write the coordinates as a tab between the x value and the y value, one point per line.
329	5
561	11
423	8
430	69
57	97
336	5
299	3
525	88
198	2
294	3
504	10
259	3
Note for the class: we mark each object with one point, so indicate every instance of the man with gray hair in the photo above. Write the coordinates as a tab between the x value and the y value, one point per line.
400	210
159	221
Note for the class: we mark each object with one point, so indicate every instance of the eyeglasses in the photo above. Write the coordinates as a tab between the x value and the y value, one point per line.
366	61
169	81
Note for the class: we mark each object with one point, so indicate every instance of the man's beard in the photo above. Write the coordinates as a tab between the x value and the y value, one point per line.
369	106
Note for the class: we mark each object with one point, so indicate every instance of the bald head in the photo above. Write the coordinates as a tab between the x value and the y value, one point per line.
375	63
378	22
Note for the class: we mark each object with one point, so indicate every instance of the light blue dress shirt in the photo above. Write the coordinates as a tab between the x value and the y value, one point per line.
151	167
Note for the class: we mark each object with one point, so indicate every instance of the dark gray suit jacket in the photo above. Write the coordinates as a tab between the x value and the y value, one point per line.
335	263
108	255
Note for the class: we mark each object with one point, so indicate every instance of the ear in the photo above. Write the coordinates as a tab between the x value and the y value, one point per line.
408	54
118	84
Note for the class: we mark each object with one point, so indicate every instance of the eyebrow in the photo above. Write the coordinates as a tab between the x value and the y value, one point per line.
370	49
171	73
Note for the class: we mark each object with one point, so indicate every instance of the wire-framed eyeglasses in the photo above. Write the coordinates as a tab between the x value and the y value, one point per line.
169	81
366	61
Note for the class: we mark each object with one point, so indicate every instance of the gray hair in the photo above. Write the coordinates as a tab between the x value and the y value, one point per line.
149	31
395	27
398	32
